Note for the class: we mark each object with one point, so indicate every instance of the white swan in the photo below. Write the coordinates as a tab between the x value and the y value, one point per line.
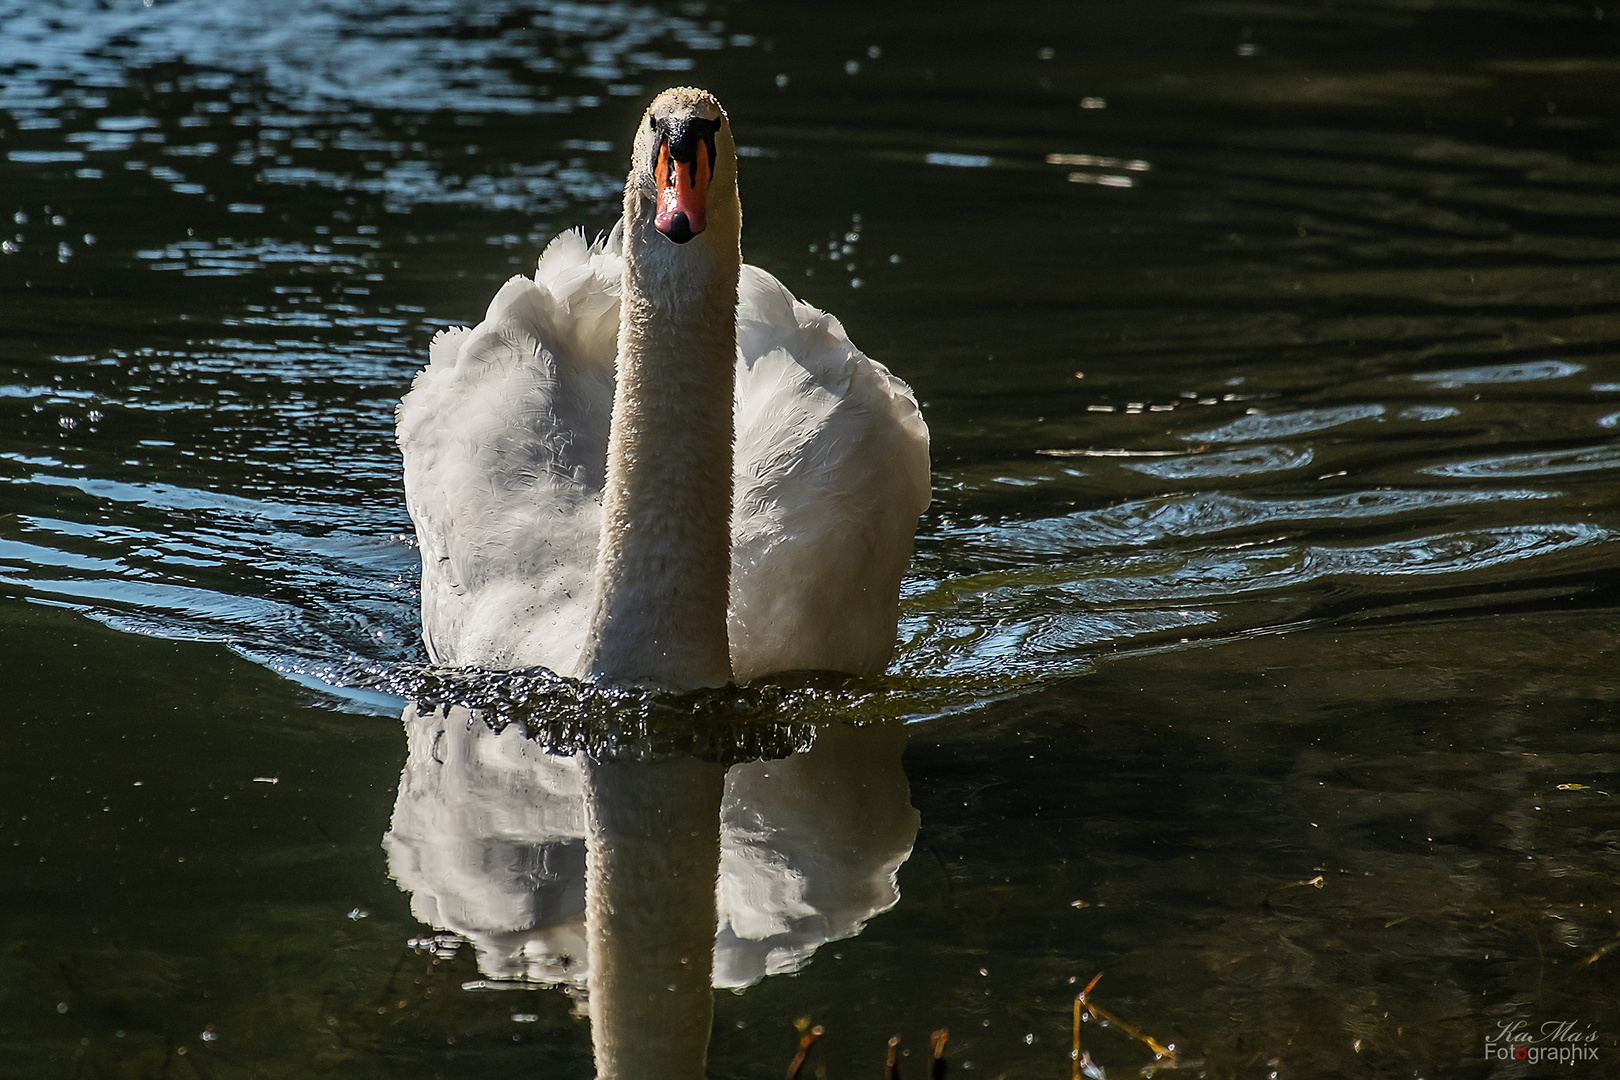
742	501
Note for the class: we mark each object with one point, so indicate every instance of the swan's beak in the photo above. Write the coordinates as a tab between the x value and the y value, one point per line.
683	194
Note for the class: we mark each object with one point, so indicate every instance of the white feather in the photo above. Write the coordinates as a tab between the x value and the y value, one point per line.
505	433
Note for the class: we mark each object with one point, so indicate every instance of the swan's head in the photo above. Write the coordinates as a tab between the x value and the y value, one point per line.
683	172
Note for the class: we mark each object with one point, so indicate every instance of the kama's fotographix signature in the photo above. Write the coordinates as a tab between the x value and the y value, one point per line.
1565	1042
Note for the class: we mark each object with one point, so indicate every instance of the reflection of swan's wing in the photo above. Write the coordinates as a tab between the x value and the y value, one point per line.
832	473
504	435
488	838
809	849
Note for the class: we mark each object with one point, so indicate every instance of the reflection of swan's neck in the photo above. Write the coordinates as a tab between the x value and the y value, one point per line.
663	574
653	857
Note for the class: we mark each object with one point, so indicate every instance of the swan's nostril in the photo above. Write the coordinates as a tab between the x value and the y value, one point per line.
677	228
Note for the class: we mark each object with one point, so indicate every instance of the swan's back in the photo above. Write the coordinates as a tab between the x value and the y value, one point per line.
831	476
505	442
504	435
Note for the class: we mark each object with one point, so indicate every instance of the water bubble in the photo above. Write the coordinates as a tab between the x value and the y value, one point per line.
781	81
10	247
63	252
58	220
356	914
851	66
20	217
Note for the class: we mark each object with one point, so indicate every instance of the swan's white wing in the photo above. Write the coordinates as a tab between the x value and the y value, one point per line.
505	442
831	476
504	435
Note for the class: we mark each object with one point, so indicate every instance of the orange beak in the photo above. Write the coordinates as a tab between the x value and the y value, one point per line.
683	195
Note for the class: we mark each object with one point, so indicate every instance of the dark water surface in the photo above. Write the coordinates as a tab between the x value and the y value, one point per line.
1260	648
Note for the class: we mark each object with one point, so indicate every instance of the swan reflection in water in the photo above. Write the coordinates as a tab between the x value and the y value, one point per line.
601	876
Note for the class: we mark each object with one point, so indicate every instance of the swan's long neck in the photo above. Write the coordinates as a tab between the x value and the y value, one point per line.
664	566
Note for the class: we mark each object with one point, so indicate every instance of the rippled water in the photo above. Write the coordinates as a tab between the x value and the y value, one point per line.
1270	354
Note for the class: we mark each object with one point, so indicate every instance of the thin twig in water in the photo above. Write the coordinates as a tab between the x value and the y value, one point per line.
806	1041
891	1060
1160	1051
1080	1060
1541	964
1074	1051
1601	953
936	1063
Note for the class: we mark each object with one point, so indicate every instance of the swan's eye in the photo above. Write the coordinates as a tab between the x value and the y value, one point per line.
652	125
